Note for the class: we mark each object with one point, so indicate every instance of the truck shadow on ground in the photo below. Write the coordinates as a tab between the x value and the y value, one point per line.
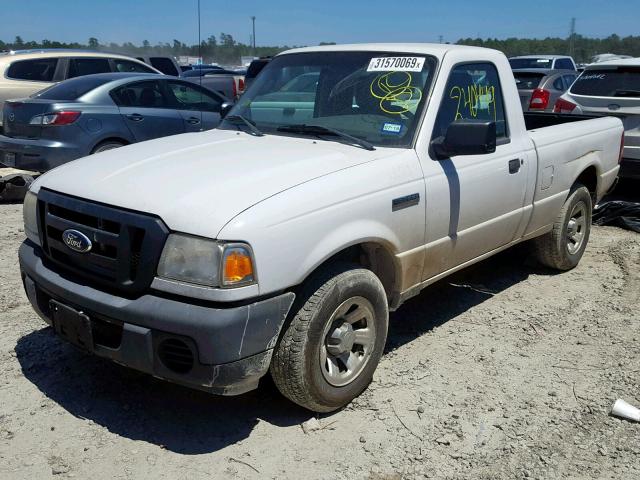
139	407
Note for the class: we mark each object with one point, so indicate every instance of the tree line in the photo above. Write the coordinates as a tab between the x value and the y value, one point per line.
581	48
224	49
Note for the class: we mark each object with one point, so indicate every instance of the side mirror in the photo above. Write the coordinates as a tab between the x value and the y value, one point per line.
225	109
466	137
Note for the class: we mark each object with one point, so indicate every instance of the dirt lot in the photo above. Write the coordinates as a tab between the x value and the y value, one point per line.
504	371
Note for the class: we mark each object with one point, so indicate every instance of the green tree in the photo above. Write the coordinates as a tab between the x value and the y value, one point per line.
93	43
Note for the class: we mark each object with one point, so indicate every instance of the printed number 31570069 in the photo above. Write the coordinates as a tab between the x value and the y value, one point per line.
402	64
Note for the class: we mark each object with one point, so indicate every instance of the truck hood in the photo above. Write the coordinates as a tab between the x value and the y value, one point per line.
197	182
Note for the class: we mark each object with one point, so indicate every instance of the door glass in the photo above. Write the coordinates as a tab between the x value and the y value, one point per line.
568	81
564	64
558	85
39	70
190	98
88	66
165	65
146	94
473	92
129	66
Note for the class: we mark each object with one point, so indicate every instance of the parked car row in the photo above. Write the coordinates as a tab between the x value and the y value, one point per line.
24	73
100	112
85	117
608	87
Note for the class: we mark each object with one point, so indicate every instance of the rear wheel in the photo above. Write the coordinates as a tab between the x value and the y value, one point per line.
108	145
563	246
330	349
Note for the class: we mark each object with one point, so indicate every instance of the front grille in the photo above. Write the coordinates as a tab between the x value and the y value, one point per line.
126	245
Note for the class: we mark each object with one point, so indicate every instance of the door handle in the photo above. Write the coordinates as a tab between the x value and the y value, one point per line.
193	120
136	117
514	165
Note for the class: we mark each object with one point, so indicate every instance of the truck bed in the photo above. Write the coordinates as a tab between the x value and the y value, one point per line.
534	120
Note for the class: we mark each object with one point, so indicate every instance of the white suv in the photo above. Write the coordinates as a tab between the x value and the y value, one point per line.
23	73
610	88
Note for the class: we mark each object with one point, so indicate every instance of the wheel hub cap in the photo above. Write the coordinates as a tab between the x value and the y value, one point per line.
341	340
349	340
576	228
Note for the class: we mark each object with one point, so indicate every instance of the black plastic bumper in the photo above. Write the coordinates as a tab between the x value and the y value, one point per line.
630	168
231	348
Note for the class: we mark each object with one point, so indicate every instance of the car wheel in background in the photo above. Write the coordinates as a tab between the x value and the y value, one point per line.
108	145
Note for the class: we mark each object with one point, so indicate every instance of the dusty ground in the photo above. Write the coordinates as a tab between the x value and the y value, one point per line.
505	371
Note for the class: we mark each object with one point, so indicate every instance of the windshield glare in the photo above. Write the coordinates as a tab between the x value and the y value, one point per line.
374	96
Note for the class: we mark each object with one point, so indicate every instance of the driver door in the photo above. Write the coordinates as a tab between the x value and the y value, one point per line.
475	203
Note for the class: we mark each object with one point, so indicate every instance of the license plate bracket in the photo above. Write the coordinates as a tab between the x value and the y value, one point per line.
72	325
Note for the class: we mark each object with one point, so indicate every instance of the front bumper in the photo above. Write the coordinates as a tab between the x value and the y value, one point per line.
231	347
37	155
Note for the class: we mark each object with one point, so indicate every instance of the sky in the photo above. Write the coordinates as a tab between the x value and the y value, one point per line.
296	22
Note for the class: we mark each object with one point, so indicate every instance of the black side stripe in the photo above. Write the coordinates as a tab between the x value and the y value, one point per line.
405	202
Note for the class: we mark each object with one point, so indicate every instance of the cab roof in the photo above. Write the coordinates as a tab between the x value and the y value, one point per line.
437	50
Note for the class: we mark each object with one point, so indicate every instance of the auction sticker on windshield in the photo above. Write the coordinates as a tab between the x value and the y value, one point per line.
399	64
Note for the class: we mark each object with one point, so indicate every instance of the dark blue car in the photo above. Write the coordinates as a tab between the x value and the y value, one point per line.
94	113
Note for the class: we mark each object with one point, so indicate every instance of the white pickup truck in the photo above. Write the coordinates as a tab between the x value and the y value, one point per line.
280	241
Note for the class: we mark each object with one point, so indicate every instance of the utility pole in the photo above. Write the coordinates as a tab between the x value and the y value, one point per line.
572	35
253	37
439	38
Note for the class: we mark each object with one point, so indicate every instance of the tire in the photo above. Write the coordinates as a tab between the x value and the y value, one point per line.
308	361
109	145
562	247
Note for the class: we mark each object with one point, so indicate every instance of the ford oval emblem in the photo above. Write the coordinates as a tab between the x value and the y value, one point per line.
76	241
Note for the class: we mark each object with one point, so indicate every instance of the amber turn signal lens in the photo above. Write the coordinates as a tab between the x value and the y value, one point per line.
238	267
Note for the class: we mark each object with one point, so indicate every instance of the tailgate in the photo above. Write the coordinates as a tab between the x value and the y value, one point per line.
18	114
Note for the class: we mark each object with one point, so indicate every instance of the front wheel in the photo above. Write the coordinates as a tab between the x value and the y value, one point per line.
563	246
330	349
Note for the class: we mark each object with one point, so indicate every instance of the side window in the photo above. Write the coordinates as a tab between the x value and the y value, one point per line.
473	92
127	66
564	64
165	65
558	84
192	98
147	94
38	70
79	67
568	80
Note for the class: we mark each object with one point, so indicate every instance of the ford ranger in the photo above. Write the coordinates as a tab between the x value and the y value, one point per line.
279	242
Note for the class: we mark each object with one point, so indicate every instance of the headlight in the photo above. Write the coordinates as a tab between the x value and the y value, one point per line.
202	261
30	217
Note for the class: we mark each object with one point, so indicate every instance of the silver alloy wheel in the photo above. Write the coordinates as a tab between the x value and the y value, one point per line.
576	227
348	341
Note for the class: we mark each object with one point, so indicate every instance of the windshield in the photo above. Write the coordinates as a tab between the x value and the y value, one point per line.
373	96
530	63
609	82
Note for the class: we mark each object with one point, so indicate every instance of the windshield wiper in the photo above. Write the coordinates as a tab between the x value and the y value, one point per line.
320	130
626	93
235	118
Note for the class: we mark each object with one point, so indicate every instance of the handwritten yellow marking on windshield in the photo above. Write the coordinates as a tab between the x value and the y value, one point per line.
395	92
473	98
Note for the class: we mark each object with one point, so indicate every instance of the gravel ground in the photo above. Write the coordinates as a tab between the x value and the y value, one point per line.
502	371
